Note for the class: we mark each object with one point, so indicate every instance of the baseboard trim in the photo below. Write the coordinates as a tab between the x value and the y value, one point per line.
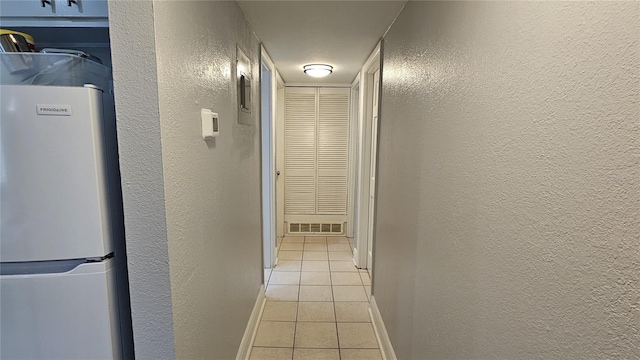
381	332
252	327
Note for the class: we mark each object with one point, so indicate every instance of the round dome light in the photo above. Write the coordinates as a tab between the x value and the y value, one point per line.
318	70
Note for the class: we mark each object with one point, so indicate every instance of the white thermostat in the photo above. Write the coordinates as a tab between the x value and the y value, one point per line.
210	127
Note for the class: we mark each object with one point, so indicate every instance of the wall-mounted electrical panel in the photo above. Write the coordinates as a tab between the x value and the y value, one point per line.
245	103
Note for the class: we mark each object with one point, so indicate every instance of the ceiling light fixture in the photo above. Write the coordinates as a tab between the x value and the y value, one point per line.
318	70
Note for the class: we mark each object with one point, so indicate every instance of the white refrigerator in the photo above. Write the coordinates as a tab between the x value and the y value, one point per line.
58	287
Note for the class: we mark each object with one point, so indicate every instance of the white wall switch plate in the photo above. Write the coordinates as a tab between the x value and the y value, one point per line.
210	124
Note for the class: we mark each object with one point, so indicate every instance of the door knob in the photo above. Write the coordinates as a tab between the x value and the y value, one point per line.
278	172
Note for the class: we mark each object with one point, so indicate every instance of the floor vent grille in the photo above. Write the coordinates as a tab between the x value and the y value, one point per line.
315	228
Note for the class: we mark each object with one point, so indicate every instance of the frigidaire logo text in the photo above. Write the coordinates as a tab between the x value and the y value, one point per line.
54	109
60	110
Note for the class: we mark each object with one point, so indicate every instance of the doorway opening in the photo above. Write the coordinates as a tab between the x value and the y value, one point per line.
316	160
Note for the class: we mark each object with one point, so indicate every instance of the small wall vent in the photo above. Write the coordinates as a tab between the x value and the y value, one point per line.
315	228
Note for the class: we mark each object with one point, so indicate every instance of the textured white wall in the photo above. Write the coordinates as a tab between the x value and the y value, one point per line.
136	93
192	208
212	189
509	181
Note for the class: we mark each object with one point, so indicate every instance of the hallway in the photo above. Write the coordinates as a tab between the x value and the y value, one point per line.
317	304
506	192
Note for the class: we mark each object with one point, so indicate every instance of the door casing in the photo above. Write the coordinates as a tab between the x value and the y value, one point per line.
366	156
268	104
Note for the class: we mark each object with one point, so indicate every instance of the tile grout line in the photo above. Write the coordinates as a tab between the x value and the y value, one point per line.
336	312
333	297
295	325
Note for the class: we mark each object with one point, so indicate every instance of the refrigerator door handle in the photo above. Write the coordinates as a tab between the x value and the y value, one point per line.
40	267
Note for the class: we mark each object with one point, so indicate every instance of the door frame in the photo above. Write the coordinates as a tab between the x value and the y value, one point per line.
353	164
268	158
365	154
279	136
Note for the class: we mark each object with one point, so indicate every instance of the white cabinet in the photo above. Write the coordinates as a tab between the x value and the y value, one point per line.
29	8
53	13
85	8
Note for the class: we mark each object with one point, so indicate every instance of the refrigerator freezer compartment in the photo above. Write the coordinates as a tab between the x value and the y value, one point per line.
69	315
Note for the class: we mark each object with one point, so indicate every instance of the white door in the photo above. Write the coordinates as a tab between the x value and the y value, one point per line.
54	197
268	168
374	158
66	311
300	152
332	151
316	158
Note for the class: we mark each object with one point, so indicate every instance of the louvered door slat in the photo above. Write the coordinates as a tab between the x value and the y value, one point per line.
300	195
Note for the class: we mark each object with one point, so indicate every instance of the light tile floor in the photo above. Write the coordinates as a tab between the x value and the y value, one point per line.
317	304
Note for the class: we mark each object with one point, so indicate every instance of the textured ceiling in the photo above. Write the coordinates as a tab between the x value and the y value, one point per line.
339	33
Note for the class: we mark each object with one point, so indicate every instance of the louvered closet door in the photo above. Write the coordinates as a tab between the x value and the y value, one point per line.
333	135
316	153
300	151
